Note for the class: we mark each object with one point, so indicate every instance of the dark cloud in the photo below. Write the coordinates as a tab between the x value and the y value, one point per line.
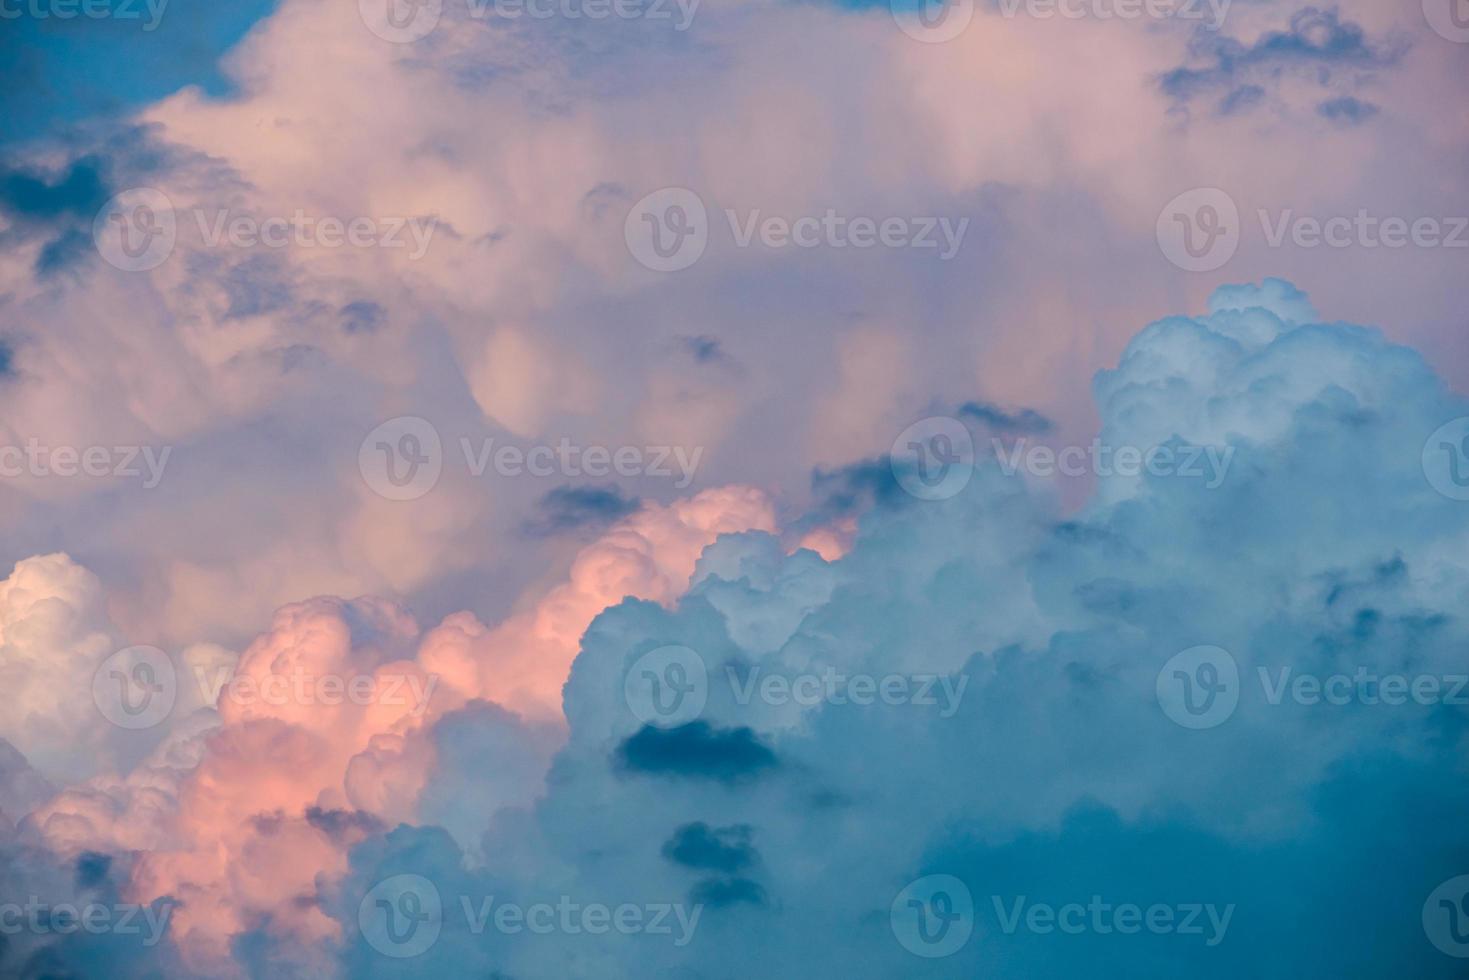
1347	110
723	892
726	849
1025	420
362	316
703	349
1318	45
567	509
696	751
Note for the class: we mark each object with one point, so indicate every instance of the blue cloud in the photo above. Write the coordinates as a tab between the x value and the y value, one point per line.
696	751
1318	45
576	508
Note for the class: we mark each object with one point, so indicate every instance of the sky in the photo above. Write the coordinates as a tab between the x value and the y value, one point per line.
700	489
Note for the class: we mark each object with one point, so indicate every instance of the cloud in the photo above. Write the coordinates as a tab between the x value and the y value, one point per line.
696	751
567	509
1317	43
